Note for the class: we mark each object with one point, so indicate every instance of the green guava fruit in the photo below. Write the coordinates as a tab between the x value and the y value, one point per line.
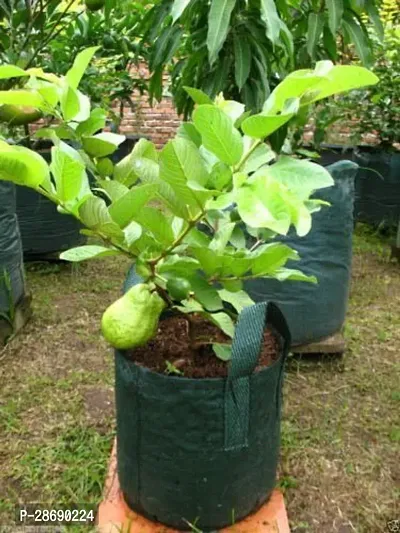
178	288
94	5
132	320
19	115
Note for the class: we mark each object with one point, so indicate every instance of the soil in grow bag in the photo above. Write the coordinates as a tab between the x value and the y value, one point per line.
377	186
202	450
172	346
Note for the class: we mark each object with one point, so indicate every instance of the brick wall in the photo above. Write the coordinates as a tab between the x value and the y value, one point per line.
157	123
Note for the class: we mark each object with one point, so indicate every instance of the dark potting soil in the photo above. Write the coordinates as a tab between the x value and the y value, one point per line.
172	344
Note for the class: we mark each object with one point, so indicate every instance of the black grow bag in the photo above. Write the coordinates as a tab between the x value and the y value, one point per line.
12	280
44	230
377	186
125	148
317	311
202	450
333	153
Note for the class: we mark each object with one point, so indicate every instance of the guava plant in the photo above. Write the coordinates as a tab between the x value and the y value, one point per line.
196	218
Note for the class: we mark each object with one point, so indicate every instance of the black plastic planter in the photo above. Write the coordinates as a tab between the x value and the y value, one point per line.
315	311
202	451
44	231
125	148
333	153
377	186
12	280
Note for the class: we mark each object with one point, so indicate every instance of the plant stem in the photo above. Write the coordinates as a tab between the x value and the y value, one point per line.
103	237
255	245
179	239
246	156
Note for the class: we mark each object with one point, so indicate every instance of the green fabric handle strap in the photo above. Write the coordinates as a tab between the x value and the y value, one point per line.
245	352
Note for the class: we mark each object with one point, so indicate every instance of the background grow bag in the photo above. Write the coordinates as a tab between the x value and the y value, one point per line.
44	231
125	148
316	311
377	195
204	450
332	153
12	281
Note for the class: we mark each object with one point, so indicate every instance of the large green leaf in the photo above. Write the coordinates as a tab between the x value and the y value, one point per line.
313	85
141	162
223	321
222	237
114	189
209	259
69	173
233	109
335	14
264	124
70	104
262	204
188	131
124	209
300	176
375	17
49	92
270	17
132	232
198	96
270	257
178	7
359	38
102	144
94	213
93	124
242	61
157	223
180	165
286	274
314	30
11	71
223	351
82	253
22	166
149	172
341	78
205	293
218	26
218	133
178	265
80	64
84	108
21	97
239	299
262	155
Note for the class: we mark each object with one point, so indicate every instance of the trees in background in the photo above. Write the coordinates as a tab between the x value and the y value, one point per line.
244	47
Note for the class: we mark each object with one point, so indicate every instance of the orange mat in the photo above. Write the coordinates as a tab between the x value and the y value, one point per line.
114	516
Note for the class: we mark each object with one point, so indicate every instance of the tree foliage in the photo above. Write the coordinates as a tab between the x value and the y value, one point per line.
244	47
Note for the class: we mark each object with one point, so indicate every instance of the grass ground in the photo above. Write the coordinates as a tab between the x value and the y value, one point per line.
340	467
